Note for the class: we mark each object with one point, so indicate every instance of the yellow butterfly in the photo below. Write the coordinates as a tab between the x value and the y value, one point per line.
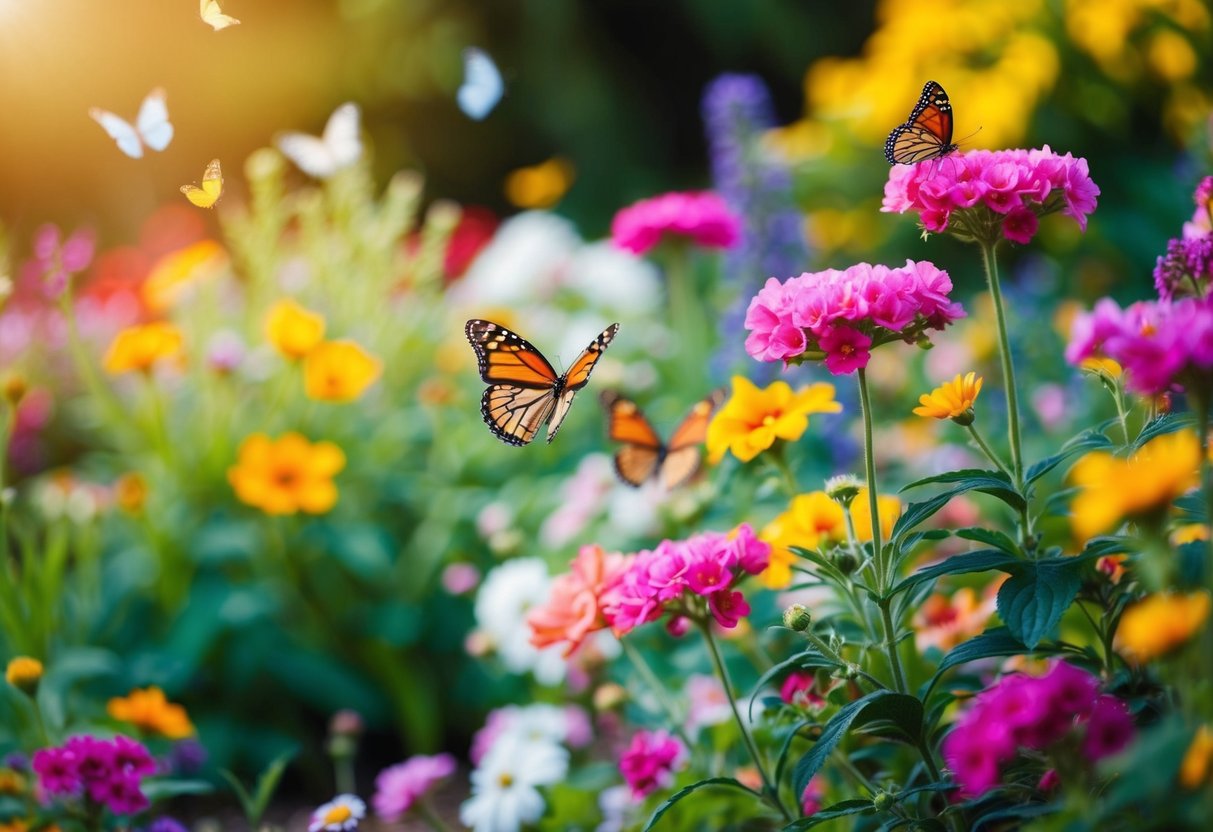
211	190
213	16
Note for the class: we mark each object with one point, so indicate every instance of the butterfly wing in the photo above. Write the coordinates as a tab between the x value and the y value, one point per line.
927	134
120	130
521	395
682	457
514	414
578	376
152	122
482	86
310	154
211	190
213	16
342	135
642	449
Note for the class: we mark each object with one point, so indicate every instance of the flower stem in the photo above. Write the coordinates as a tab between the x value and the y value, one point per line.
988	451
824	649
657	689
431	817
990	261
883	579
769	789
684	309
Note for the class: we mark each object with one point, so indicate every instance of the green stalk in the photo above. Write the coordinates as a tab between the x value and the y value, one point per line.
430	816
769	789
1004	350
684	310
988	451
657	689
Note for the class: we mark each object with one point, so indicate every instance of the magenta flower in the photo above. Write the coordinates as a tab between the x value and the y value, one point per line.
399	787
108	772
650	761
813	795
986	194
702	218
839	316
1187	266
57	770
728	607
799	689
1109	729
55	260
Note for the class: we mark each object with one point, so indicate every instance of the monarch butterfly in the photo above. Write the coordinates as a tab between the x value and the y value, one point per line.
927	133
643	455
524	392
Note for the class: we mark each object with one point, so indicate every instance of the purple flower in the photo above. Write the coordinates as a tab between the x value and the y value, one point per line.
399	787
187	756
57	770
131	757
166	824
1109	729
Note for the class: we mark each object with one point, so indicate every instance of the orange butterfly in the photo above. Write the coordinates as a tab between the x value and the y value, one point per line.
524	392
927	133
643	455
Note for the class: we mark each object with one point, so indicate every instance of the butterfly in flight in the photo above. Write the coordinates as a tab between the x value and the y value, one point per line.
927	133
482	86
213	16
338	147
524	392
211	190
644	456
151	128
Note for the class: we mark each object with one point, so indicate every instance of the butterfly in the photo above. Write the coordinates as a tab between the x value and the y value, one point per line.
151	127
211	190
213	16
482	85
644	456
524	392
339	147
927	133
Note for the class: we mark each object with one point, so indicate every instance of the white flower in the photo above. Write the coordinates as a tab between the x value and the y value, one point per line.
524	262
504	599
615	804
341	814
540	722
504	793
614	280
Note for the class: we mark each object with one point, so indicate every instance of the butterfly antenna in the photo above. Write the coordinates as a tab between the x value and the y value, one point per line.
966	138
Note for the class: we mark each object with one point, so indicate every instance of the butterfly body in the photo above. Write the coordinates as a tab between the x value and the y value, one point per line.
151	129
212	187
525	392
927	133
643	456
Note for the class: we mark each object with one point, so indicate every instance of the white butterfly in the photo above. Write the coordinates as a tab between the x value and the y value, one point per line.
339	147
482	85
151	128
213	16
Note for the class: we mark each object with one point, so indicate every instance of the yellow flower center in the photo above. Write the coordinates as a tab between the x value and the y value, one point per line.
768	420
505	780
338	814
846	349
286	477
1147	329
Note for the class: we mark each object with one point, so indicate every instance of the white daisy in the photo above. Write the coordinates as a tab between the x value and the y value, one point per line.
505	597
504	793
341	814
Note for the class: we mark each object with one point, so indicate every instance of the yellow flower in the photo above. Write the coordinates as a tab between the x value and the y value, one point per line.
293	330
1102	367
752	419
953	400
14	825
140	347
24	673
149	710
1194	769
1145	484
811	521
1159	623
176	272
889	508
1189	533
286	475
541	185
11	782
338	371
130	492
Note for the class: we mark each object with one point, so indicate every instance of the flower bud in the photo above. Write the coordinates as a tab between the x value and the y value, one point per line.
346	722
609	696
797	617
843	489
883	801
24	673
966	418
846	561
14	389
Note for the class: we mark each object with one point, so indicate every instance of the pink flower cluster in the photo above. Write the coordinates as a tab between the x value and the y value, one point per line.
1033	712
705	566
800	689
1016	186
702	217
650	761
841	314
55	260
108	772
1187	267
1158	343
400	786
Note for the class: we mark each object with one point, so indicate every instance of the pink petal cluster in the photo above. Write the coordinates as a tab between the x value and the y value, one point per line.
650	761
838	315
799	689
1158	343
670	577
400	786
1033	712
1187	266
702	217
107	772
1016	187
574	608
55	259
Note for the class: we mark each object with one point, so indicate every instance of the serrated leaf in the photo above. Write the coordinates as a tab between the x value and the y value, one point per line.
679	795
1164	424
990	537
1032	600
1087	441
996	642
982	560
995	483
854	806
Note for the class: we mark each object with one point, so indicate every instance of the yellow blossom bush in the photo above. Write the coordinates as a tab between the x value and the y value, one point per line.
287	475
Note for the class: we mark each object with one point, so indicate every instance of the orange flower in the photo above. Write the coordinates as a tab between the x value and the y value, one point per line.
177	272
752	419
150	711
573	610
811	522
953	400
293	330
1195	767
1160	623
338	371
24	673
943	622
140	347
887	506
130	492
286	475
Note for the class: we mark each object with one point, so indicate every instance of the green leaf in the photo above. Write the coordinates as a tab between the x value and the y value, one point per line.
996	642
782	759
982	560
854	806
1032	600
254	805
990	537
995	483
1164	424
679	795
1092	440
897	708
164	789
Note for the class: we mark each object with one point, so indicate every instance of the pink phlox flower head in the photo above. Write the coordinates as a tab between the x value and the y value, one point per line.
1019	225
57	770
846	349
703	218
997	183
399	787
109	771
728	607
1109	728
650	761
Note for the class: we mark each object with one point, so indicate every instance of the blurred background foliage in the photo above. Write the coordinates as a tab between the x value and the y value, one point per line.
268	625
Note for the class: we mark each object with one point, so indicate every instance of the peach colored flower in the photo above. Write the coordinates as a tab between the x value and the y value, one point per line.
573	610
943	622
